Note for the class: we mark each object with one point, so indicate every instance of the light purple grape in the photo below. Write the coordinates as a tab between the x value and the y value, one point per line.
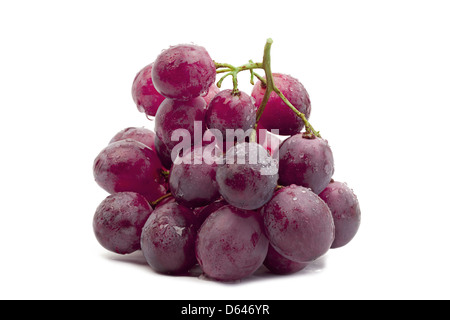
183	72
277	115
231	111
306	162
140	134
278	264
129	165
344	206
231	244
192	178
298	223
168	239
143	91
118	221
248	177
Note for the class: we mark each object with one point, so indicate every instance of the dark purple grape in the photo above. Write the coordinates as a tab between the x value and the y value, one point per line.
183	72
345	209
192	178
277	115
231	111
144	94
118	221
306	162
231	244
141	134
248	176
278	264
173	115
298	224
129	165
168	239
204	212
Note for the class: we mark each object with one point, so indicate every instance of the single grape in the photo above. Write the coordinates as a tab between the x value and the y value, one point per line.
231	244
248	176
140	134
163	152
173	115
298	223
168	239
213	90
306	162
118	221
144	94
231	111
192	178
278	264
183	72
129	165
345	209
277	115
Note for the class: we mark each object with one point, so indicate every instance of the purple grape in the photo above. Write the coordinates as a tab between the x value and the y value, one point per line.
231	111
298	223
144	94
183	72
173	115
277	115
192	178
168	239
231	244
204	212
306	162
345	209
278	264
163	152
248	177
118	221
269	141
141	134
129	165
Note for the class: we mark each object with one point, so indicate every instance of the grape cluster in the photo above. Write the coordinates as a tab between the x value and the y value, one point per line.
206	188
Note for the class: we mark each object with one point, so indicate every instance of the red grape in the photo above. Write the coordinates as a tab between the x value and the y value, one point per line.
192	178
345	209
248	176
231	111
213	90
183	72
168	239
298	223
306	162
129	165
277	115
144	94
231	244
118	221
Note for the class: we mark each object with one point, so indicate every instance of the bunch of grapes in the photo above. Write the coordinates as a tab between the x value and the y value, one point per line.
227	180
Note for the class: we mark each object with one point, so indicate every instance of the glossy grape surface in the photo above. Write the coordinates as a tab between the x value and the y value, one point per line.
168	239
231	244
306	162
183	72
345	209
118	221
248	177
277	115
298	223
145	96
129	165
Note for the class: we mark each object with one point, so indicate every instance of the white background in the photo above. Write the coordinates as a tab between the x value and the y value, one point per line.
378	76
